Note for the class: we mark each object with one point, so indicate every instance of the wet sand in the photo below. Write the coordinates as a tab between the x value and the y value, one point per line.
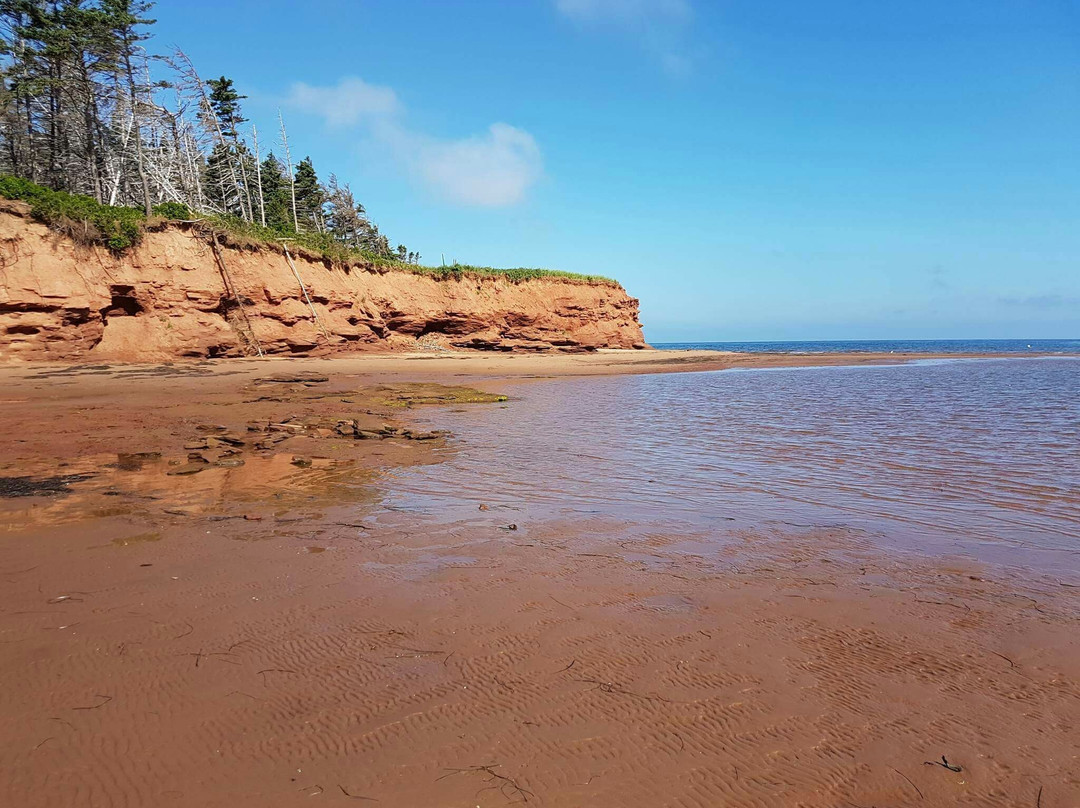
267	634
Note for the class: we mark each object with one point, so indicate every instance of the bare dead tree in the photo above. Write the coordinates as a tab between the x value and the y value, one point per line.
258	175
191	76
288	166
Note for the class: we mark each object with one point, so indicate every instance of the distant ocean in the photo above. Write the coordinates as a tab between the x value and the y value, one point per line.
932	346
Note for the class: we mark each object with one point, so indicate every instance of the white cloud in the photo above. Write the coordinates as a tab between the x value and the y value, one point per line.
346	104
659	26
493	169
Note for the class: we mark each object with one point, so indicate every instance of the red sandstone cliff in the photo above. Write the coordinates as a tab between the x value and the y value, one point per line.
168	299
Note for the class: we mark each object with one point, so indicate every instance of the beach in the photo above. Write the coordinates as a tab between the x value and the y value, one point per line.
460	579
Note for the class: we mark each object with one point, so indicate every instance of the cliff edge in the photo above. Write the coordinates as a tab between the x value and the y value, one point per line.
179	295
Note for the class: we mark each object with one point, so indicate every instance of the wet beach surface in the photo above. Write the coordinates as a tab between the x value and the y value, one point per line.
979	458
818	587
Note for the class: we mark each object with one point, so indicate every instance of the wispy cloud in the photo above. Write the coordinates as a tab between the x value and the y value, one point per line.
492	169
659	26
495	168
347	103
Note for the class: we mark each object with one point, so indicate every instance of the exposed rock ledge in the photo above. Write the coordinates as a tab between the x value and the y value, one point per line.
168	299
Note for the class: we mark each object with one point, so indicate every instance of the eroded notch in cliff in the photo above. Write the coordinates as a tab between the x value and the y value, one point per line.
123	303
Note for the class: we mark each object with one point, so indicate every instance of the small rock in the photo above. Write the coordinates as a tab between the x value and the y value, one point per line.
301	462
189	468
346	428
133	461
424	435
252	517
283	427
484	508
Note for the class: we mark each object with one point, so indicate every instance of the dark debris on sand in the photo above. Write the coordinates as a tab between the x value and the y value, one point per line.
39	486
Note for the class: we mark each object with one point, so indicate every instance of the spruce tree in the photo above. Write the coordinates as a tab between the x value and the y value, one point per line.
275	187
345	218
125	17
309	197
225	102
217	179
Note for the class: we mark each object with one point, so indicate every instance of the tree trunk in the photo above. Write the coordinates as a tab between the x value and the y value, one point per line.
143	181
258	176
288	163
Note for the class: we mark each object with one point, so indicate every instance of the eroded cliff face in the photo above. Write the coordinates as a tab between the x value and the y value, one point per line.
169	299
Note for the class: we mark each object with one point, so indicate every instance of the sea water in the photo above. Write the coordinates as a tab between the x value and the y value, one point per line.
979	458
938	346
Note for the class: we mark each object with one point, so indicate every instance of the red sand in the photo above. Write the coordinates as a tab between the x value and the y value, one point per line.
247	636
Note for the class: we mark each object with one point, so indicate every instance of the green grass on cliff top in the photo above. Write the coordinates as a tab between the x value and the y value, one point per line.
118	228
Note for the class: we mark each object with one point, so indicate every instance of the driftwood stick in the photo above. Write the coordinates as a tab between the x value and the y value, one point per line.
230	287
296	274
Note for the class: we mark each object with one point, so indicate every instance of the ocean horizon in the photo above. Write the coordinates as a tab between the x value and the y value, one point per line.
930	346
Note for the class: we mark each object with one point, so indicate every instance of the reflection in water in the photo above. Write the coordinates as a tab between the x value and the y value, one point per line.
138	485
973	456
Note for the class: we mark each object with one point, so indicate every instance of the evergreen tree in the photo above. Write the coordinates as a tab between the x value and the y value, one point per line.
345	218
275	187
225	102
218	179
124	18
94	51
38	40
309	197
78	114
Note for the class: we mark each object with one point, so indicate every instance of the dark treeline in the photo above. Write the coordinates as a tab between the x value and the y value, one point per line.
86	108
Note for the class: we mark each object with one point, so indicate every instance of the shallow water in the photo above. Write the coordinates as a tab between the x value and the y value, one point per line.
973	458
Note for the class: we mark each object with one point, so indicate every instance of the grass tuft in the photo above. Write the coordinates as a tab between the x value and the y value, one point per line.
81	218
88	222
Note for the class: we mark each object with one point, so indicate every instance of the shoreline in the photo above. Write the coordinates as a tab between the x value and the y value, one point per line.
608	361
258	634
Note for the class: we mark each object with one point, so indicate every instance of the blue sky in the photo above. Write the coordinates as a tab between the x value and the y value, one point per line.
749	169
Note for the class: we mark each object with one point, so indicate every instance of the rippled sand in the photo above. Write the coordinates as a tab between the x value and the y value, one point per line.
758	589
